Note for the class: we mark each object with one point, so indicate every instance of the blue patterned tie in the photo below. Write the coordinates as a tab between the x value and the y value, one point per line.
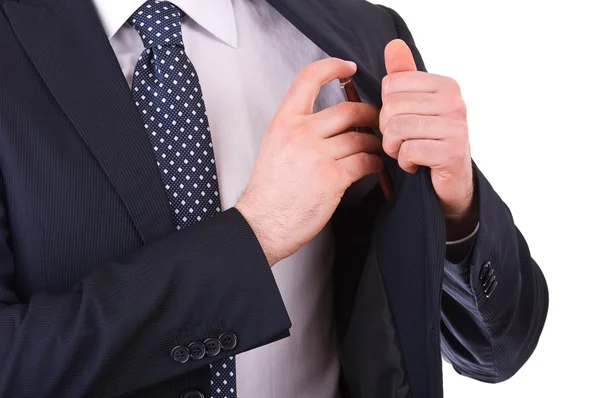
167	92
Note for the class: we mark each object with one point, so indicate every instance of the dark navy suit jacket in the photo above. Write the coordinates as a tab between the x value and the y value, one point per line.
97	287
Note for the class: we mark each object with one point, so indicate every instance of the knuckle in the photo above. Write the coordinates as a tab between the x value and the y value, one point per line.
293	89
457	105
390	83
386	84
408	149
401	125
452	84
311	125
356	138
365	158
366	161
403	162
360	161
392	100
424	99
390	147
308	73
383	120
396	126
346	108
350	141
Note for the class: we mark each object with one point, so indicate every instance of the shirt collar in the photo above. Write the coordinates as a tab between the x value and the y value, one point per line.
216	16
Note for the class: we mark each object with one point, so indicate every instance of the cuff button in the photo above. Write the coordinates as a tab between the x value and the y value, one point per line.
197	350
487	276
490	289
192	394
180	354
228	341
485	270
213	347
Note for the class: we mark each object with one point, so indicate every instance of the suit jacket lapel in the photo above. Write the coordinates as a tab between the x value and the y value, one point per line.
69	48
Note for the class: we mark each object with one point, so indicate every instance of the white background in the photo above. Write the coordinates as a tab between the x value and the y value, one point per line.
530	75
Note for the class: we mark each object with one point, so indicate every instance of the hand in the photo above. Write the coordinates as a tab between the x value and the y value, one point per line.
423	122
307	161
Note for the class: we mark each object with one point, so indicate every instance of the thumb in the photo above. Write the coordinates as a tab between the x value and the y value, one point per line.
398	57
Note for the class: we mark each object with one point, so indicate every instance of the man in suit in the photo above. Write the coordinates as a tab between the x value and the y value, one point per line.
182	183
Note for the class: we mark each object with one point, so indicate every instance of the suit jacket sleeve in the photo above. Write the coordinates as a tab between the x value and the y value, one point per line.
114	331
494	303
489	338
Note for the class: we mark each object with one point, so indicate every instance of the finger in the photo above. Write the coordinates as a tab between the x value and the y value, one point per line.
409	127
353	142
415	153
343	116
418	82
398	57
425	104
359	165
301	95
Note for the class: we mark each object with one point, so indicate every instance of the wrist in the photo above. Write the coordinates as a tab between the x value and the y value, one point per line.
260	229
460	224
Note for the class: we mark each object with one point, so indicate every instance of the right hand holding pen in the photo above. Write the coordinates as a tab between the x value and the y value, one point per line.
307	161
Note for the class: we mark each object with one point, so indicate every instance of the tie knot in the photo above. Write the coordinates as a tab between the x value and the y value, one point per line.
158	23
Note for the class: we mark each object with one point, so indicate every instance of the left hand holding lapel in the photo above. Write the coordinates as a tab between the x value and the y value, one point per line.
423	122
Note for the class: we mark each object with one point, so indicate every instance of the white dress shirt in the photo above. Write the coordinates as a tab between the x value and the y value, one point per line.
246	56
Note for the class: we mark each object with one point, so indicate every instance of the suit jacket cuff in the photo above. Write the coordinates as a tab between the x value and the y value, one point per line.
478	259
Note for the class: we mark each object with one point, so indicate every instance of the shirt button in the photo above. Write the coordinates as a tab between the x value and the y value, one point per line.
180	354
192	394
213	347
228	341
197	350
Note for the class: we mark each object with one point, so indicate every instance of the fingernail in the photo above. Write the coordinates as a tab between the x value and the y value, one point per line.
352	64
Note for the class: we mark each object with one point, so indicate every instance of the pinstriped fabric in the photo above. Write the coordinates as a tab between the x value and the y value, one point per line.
58	66
94	280
67	106
490	338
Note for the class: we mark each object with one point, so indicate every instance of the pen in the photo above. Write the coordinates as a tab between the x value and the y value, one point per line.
383	177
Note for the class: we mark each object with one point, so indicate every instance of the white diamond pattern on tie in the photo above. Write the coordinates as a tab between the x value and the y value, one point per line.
221	379
168	95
